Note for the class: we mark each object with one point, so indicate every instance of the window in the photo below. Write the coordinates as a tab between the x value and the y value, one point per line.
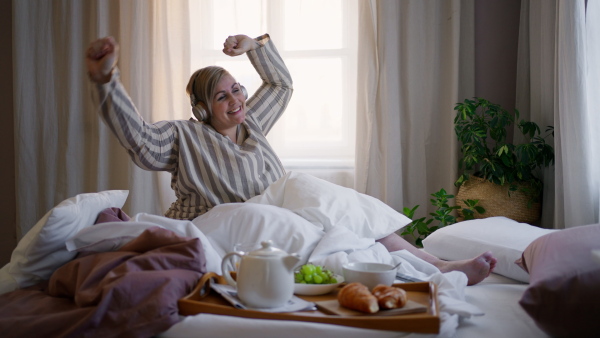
317	40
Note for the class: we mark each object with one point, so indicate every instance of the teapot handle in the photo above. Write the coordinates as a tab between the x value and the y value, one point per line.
224	267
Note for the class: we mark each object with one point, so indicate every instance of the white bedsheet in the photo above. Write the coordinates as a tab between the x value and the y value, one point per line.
489	309
333	248
497	296
330	226
340	245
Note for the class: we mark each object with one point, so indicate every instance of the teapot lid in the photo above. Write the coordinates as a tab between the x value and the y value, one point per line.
267	250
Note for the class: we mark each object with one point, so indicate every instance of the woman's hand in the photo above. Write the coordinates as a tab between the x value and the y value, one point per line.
239	44
101	58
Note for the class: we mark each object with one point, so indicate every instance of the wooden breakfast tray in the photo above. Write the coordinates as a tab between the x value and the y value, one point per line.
204	300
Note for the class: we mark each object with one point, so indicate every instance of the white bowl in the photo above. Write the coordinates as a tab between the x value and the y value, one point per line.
317	289
369	274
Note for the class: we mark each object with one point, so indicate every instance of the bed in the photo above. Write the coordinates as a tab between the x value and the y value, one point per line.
87	269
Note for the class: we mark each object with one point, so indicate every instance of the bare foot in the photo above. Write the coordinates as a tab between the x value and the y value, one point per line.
476	269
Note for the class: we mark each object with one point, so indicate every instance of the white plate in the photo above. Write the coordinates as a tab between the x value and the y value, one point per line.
317	289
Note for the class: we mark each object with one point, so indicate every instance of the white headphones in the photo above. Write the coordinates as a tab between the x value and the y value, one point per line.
199	108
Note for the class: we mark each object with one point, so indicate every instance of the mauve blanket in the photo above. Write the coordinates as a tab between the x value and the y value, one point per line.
132	292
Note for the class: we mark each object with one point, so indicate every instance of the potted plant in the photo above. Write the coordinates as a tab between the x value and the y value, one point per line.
420	228
511	171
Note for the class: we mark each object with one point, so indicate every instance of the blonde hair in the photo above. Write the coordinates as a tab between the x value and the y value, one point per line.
202	84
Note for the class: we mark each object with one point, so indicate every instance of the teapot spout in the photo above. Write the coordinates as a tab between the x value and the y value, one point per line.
291	261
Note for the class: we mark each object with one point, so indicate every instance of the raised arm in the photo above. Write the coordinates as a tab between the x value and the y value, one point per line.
151	146
271	99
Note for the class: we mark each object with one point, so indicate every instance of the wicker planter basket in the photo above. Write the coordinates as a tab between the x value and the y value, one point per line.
496	201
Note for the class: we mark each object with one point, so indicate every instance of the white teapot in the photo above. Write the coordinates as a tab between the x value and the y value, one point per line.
265	278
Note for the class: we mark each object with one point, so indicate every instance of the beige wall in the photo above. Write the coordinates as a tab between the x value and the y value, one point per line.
8	232
496	25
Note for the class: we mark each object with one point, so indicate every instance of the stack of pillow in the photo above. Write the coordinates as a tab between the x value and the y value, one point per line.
42	250
563	296
564	293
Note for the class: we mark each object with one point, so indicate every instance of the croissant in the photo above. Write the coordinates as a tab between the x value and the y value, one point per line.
356	296
389	297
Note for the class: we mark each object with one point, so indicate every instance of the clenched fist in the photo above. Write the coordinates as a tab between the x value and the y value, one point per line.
101	59
236	45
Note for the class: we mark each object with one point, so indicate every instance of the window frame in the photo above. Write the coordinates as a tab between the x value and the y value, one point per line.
338	154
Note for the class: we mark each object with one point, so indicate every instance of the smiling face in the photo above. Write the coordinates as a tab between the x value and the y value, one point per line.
228	105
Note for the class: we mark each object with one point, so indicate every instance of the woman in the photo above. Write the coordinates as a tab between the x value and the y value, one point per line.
223	156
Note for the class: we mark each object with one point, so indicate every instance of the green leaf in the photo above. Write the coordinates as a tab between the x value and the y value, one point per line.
470	203
482	133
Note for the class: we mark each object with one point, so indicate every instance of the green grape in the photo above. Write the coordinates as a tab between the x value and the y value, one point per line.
308	269
313	274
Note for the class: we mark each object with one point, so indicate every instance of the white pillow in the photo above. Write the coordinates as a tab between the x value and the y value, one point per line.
504	237
328	205
42	250
111	236
229	224
108	236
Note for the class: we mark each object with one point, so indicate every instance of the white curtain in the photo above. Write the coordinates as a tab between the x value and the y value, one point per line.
416	59
61	145
63	148
558	83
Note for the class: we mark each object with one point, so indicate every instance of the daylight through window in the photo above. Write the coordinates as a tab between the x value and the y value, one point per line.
317	39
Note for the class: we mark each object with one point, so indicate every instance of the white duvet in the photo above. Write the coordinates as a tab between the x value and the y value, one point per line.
326	224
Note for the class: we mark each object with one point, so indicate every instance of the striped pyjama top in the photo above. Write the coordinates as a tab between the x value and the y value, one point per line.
206	167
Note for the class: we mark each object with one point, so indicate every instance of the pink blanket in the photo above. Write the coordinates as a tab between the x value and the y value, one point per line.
132	292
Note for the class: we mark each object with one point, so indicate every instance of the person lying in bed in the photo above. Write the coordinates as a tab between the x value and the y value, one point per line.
223	155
